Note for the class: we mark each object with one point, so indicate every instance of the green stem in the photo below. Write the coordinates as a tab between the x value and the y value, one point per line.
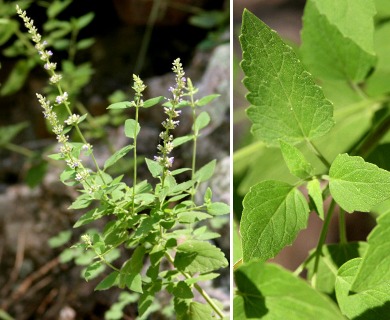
318	153
372	139
135	155
199	289
342	227
321	241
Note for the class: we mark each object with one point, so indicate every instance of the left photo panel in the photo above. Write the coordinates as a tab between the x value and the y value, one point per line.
115	159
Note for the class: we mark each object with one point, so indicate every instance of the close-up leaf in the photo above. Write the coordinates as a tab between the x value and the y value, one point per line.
285	101
357	185
269	292
274	213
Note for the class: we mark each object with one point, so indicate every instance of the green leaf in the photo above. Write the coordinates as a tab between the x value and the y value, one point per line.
201	121
7	30
132	128
116	156
120	105
295	160
268	292
199	311
89	217
93	270
182	290
274	212
218	208
371	304
285	101
337	38
7	133
374	269
192	216
56	7
382	8
82	201
108	282
357	185
17	77
202	277
153	101
315	193
85	43
333	256
377	83
206	172
199	256
154	167
84	20
180	140
206	100
60	239
133	281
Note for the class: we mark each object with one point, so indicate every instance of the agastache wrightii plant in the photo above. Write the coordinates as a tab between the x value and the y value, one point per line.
146	220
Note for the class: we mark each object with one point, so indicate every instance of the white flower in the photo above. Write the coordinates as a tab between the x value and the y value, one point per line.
62	98
73	119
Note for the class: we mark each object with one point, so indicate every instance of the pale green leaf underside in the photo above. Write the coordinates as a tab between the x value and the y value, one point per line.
268	292
332	258
337	38
374	269
357	185
295	160
315	193
368	305
285	102
274	212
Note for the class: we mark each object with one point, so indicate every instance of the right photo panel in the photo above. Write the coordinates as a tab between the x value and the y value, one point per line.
311	159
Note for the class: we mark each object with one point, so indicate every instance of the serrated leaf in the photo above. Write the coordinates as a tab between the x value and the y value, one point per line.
357	185
132	128
199	256
120	105
206	172
116	156
266	291
201	121
295	160
374	269
315	193
285	101
371	304
207	99
337	38
108	282
153	101
274	213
